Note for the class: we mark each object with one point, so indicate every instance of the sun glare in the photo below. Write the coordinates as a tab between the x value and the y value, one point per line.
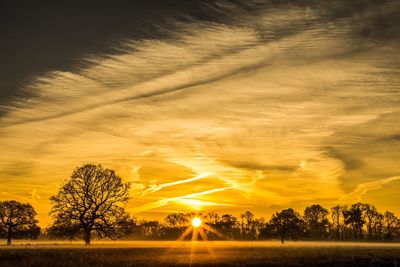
196	222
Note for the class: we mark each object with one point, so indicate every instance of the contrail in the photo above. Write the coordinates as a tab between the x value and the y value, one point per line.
204	192
153	189
166	201
364	188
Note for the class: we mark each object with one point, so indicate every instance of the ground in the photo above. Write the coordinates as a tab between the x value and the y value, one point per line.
200	254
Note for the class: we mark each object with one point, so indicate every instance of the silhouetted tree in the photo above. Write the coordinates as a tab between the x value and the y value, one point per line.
227	226
246	225
93	198
17	220
354	217
346	224
315	217
176	219
336	215
370	216
151	229
397	231
377	226
286	224
212	218
64	227
175	225
257	227
130	228
390	222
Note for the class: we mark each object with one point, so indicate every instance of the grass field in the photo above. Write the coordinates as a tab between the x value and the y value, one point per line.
201	254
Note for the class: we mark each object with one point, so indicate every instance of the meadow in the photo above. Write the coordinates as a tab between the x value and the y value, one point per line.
209	253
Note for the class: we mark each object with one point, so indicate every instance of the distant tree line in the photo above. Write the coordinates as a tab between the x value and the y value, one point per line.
342	223
91	205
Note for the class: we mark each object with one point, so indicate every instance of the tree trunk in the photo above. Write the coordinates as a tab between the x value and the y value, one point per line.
9	235
87	237
282	240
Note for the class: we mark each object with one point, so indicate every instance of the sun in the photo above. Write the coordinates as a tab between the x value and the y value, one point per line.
196	222
197	228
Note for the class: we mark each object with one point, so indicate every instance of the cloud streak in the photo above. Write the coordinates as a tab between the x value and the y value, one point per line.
186	199
155	188
362	189
271	105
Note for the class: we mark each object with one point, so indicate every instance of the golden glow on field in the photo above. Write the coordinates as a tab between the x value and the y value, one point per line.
196	222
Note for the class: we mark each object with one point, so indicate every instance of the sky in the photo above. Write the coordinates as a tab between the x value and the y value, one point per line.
203	106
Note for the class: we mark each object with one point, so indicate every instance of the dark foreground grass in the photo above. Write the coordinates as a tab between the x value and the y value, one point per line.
57	256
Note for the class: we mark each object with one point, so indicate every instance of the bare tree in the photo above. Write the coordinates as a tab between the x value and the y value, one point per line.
17	220
93	198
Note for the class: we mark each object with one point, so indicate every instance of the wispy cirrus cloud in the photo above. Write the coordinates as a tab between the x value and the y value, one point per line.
363	188
273	107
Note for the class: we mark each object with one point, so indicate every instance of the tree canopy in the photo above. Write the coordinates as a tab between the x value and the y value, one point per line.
315	217
17	220
92	202
287	224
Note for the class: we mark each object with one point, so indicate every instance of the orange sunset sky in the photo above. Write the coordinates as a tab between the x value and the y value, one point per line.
258	107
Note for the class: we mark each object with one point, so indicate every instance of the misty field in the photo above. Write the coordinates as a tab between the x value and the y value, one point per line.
201	254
